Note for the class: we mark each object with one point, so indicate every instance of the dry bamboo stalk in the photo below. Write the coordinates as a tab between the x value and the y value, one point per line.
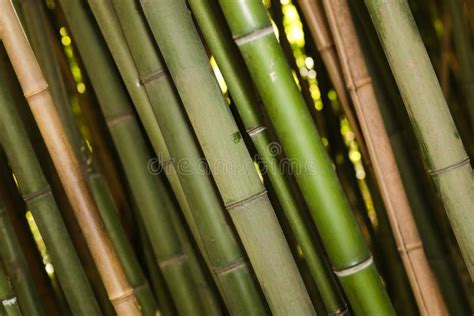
359	84
316	20
41	104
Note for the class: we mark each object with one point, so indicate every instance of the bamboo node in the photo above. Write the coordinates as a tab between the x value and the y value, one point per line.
116	119
356	268
246	200
453	166
468	82
156	75
123	297
46	190
253	36
356	85
42	89
241	263
324	47
172	259
410	247
255	131
142	286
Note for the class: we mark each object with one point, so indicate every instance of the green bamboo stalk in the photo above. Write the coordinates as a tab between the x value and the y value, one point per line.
463	47
445	158
38	197
38	30
51	297
148	190
237	287
7	294
244	195
344	243
16	266
165	302
230	62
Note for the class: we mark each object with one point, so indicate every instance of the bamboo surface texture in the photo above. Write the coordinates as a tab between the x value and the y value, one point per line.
445	158
239	291
230	163
219	39
359	84
300	140
39	98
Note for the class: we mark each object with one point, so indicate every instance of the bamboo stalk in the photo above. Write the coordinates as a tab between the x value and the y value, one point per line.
240	187
240	86
318	26
7	294
165	302
129	260
153	204
237	287
38	197
445	158
15	264
35	17
359	83
36	91
344	243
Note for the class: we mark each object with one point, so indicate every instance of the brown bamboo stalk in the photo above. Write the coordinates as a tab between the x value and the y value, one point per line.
41	104
317	23
359	84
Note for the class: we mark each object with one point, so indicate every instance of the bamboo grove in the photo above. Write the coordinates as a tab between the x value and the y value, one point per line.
236	157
